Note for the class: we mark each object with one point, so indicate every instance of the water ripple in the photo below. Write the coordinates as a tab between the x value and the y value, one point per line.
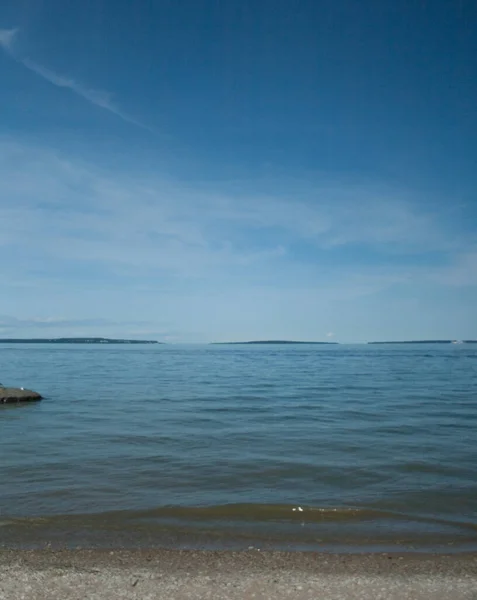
378	431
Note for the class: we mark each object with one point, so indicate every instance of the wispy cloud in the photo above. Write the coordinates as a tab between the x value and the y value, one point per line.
99	98
334	215
103	242
76	212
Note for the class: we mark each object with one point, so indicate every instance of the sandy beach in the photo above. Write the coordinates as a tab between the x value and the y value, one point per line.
181	575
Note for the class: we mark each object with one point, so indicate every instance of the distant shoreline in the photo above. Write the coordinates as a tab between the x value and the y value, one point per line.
276	342
429	342
95	340
73	341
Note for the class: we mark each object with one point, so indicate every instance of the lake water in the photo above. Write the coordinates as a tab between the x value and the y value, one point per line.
297	447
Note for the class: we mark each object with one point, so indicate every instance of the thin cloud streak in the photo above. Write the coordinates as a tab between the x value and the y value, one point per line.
98	98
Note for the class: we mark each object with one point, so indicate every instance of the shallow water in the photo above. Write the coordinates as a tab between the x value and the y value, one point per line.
217	445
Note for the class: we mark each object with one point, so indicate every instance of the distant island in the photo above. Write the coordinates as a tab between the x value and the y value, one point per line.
430	342
75	340
272	342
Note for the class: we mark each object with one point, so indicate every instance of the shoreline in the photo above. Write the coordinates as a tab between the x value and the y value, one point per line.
181	574
134	539
156	531
254	559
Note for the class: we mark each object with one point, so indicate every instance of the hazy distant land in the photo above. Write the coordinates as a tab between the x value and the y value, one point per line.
272	342
101	340
73	340
430	342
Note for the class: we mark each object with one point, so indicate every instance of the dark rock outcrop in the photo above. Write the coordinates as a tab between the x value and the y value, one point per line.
18	395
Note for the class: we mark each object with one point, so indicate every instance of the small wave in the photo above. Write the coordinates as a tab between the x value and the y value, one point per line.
261	512
236	512
224	512
291	526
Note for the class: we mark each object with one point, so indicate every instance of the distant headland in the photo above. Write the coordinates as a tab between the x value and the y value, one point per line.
272	342
429	342
73	340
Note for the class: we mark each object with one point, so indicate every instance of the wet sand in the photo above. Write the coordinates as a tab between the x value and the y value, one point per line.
181	575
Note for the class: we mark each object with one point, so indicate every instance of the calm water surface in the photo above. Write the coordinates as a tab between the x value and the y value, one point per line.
329	447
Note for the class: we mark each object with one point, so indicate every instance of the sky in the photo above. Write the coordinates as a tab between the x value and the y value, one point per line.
197	170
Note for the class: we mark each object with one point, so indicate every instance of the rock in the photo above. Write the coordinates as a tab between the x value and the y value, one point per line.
18	395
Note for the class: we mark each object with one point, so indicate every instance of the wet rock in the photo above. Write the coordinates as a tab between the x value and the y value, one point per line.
18	395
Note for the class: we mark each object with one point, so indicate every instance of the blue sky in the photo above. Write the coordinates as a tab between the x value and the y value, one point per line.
198	171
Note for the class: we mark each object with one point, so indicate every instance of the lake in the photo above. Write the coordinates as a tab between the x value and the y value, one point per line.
335	447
